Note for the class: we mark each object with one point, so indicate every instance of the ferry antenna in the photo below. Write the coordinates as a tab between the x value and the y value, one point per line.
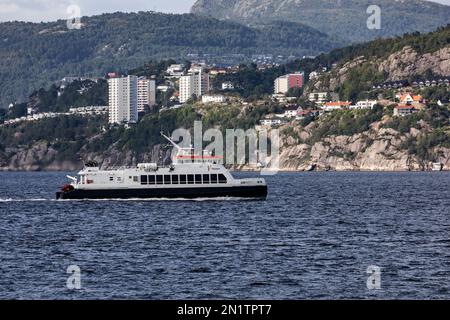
171	141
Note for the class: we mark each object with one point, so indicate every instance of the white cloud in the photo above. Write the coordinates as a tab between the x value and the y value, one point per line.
50	10
34	10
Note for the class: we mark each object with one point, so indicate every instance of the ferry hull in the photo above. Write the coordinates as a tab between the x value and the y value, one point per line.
257	192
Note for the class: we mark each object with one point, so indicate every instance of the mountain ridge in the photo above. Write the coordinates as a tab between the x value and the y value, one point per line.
342	18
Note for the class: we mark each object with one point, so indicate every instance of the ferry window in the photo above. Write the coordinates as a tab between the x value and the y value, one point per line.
166	179
206	178
183	179
135	179
111	178
174	179
190	178
144	180
222	178
151	180
159	179
198	179
214	178
119	179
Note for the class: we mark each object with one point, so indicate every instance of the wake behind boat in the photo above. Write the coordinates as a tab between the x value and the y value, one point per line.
190	177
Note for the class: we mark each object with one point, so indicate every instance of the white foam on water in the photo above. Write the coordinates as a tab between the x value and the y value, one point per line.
24	200
6	200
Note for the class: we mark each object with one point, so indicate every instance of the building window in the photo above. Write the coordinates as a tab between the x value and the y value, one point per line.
206	178
190	178
144	180
214	178
151	180
159	179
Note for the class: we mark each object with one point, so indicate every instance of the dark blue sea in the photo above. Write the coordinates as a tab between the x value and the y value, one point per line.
313	238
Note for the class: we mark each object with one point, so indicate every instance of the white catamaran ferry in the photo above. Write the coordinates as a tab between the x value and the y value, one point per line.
190	176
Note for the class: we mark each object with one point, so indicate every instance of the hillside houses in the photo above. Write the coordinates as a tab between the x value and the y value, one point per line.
410	99
404	110
336	105
365	104
81	111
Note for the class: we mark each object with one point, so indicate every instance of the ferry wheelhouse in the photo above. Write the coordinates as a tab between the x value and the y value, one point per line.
190	176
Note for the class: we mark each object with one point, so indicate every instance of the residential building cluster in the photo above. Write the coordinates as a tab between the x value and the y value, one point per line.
194	84
408	104
128	96
83	111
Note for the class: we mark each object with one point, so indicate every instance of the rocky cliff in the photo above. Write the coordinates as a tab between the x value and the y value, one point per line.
378	149
41	156
400	65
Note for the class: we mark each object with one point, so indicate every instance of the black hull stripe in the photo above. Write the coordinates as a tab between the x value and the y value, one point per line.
172	193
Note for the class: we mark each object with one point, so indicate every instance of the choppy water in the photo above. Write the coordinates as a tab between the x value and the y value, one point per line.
314	237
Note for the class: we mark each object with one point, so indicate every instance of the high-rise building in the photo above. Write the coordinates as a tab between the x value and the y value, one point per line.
146	94
186	88
123	104
196	82
286	82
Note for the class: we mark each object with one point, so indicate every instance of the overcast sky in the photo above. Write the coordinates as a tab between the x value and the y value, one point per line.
50	10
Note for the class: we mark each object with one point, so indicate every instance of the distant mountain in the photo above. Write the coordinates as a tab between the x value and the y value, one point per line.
346	19
33	55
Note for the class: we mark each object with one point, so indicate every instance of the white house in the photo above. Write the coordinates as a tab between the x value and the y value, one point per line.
271	122
365	104
227	85
409	99
336	105
403	110
163	88
291	111
217	98
313	75
175	70
322	97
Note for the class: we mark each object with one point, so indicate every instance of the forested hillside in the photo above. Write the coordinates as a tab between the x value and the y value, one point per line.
34	55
